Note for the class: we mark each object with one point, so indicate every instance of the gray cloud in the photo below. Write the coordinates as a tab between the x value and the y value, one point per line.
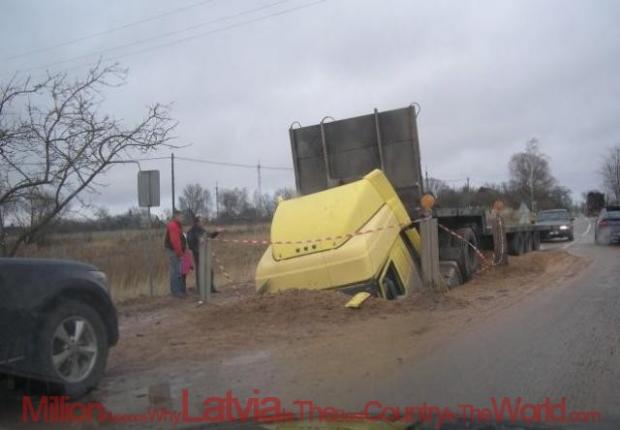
489	75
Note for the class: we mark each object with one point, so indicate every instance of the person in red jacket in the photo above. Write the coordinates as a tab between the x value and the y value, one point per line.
174	251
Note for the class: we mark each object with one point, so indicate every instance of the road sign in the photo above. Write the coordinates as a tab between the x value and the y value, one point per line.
148	188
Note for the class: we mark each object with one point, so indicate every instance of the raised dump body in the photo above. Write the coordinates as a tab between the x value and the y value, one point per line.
336	152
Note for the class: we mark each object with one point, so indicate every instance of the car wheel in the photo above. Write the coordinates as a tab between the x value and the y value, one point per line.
73	347
571	237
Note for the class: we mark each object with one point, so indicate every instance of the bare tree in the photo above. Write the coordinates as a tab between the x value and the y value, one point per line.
610	171
54	139
435	186
195	200
530	174
234	203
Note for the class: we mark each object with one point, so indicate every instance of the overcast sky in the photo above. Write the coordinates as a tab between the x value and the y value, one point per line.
489	76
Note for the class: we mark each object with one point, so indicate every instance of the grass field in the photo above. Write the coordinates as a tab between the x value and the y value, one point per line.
126	256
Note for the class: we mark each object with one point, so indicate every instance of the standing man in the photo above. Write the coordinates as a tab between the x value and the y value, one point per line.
174	251
193	242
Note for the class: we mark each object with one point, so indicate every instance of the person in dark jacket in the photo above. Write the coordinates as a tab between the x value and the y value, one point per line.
193	242
173	244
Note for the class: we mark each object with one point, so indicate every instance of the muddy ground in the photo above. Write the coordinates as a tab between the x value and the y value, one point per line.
160	331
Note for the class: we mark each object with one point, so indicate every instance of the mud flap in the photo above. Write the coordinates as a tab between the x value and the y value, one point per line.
357	300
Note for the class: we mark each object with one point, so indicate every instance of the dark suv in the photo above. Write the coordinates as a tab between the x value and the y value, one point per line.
57	322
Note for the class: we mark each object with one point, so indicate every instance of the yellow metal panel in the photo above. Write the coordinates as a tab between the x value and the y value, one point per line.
383	186
360	259
332	214
357	300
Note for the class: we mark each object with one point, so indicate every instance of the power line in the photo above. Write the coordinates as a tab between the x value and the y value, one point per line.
191	160
108	31
223	163
183	39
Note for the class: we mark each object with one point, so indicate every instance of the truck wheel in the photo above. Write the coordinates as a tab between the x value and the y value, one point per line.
516	244
470	255
73	347
527	243
536	241
459	255
456	254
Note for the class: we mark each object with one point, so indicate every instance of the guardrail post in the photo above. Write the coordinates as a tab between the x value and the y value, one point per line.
500	241
205	268
431	275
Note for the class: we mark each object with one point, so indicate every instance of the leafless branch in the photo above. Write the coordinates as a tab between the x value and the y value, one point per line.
60	144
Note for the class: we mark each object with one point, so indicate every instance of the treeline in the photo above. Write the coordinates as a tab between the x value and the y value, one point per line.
233	206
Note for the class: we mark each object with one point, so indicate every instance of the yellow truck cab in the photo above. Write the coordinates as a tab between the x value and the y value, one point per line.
355	237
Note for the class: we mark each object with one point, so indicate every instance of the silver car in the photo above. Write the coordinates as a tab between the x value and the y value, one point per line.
607	228
558	223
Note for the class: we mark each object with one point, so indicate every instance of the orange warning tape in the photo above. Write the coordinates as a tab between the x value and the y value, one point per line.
458	236
306	241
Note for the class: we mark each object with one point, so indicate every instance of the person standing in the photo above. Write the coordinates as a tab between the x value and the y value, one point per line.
174	251
186	262
193	242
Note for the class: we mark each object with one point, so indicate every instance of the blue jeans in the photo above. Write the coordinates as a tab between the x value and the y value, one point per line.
176	284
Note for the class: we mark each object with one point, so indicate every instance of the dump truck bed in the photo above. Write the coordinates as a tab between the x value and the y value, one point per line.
337	152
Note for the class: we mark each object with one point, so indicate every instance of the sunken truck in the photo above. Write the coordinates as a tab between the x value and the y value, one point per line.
353	225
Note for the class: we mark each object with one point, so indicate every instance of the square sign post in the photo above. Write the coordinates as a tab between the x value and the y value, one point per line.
148	196
148	188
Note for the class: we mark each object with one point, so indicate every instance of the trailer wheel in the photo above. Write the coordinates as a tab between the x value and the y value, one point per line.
470	255
516	244
527	243
535	241
456	254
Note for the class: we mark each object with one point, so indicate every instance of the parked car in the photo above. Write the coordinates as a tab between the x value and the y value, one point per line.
57	322
607	228
559	223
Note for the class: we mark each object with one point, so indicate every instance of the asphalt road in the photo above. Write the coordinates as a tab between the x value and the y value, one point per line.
561	342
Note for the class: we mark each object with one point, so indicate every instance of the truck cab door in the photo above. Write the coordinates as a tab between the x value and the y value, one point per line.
400	274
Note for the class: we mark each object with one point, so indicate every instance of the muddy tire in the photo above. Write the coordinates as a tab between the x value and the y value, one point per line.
471	257
528	245
535	241
462	253
516	244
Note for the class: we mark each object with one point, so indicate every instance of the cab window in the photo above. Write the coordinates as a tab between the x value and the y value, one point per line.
392	284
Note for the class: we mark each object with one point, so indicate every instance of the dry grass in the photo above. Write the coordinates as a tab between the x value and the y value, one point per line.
126	256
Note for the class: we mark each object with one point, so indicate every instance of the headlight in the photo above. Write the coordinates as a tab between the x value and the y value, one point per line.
563	227
100	276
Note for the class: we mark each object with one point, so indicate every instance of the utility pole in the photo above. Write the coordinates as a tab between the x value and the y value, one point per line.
172	176
426	176
468	184
260	188
217	201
